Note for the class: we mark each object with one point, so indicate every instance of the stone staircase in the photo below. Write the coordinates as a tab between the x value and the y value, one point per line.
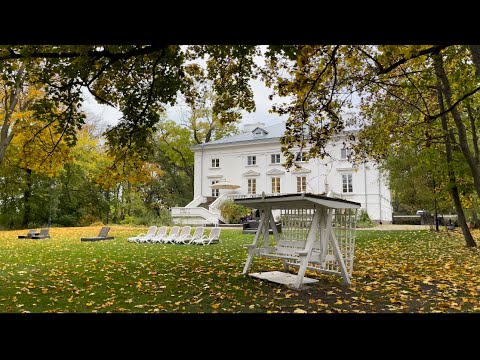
210	199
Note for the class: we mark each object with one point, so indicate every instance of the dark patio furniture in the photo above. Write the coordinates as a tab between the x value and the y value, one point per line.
42	235
29	235
102	235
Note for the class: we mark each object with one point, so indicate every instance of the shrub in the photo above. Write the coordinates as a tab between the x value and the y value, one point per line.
232	212
89	220
128	220
363	220
67	220
164	218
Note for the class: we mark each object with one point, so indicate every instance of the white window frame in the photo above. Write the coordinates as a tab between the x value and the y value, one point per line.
215	192
276	187
275	159
345	153
302	185
347	183
251	160
300	156
215	163
252	186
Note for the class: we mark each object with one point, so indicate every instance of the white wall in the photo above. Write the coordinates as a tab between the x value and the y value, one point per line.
233	166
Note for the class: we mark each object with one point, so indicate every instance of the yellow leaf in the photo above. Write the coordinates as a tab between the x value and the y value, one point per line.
339	302
89	303
252	306
215	306
300	311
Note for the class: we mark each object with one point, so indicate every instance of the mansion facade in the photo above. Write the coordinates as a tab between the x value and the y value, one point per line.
253	161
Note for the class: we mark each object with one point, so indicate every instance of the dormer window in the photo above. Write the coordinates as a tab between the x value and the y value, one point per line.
259	132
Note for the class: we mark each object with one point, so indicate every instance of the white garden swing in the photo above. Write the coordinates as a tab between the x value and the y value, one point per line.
318	233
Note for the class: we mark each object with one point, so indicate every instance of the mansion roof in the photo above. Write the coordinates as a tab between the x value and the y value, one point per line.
266	133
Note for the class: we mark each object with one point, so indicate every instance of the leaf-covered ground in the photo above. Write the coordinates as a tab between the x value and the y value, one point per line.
394	271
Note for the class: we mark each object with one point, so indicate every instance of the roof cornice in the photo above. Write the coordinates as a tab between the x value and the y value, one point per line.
233	144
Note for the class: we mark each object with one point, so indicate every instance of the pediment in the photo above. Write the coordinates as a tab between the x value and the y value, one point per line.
251	173
301	170
275	172
215	176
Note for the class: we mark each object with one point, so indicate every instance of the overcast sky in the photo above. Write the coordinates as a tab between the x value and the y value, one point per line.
111	115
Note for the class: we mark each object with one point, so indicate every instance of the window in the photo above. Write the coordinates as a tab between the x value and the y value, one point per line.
251	160
275	159
345	153
252	186
275	185
215	192
302	156
347	183
301	184
215	163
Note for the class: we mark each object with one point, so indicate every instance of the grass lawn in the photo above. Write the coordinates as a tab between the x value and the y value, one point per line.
394	271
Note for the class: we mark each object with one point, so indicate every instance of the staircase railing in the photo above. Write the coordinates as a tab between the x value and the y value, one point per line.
197	201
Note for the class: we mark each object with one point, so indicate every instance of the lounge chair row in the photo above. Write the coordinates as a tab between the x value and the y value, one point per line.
175	236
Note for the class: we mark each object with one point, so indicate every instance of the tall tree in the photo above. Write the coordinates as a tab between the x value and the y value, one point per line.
139	80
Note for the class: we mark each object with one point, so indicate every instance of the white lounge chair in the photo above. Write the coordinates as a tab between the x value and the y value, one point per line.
141	237
160	235
185	232
197	234
212	238
172	235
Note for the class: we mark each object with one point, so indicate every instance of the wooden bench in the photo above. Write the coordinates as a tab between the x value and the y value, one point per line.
251	227
293	251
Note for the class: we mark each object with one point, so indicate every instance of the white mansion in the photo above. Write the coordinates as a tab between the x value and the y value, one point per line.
253	160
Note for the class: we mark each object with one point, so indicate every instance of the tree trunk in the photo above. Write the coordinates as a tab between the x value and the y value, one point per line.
129	198
475	219
462	133
26	199
11	100
469	241
107	197
474	133
475	50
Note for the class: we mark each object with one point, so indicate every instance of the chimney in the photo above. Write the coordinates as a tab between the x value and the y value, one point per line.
251	126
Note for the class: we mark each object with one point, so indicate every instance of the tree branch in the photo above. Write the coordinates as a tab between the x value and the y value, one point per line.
12	55
431	50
